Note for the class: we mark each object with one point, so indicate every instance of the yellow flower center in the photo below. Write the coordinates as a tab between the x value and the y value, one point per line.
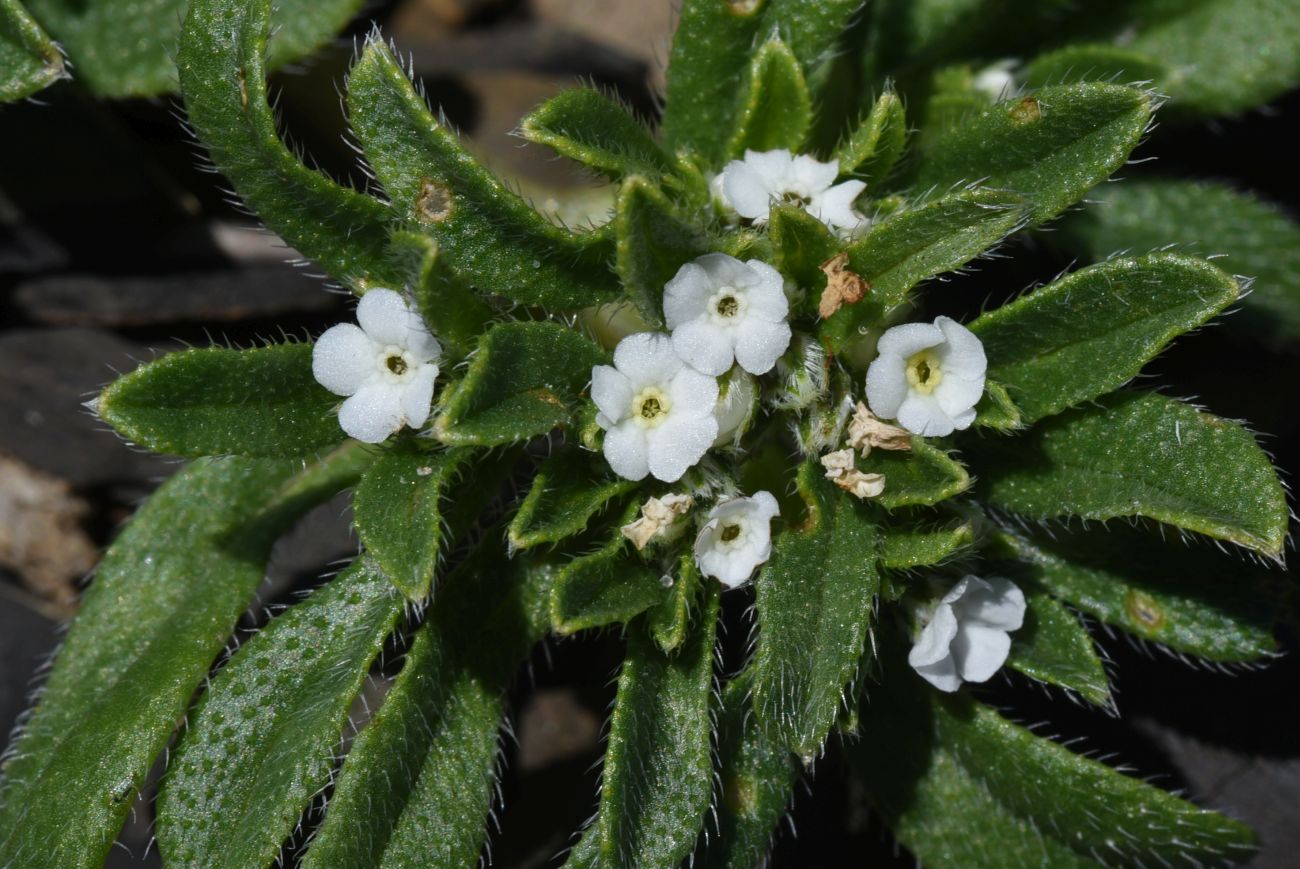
923	373
650	406
726	305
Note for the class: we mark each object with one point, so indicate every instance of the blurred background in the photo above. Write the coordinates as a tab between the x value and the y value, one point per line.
116	246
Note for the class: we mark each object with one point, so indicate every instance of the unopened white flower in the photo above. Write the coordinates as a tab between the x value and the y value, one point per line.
766	178
387	367
737	401
966	635
656	412
928	376
722	310
737	538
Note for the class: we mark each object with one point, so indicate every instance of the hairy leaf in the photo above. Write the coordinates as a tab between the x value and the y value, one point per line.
800	245
996	410
609	586
215	402
450	307
165	598
523	381
815	601
1092	62
919	477
654	241
669	621
1140	454
904	547
776	108
261	742
568	490
873	149
1053	647
1093	330
484	230
597	131
29	59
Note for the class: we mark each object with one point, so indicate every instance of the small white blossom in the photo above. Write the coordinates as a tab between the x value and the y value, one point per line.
997	81
722	310
966	635
928	376
766	178
387	367
658	520
656	412
737	538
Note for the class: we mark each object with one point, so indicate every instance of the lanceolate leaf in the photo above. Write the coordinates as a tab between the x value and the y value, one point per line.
669	621
569	489
904	547
815	601
523	381
1051	146
1257	239
1093	62
29	59
996	410
609	586
922	476
1092	331
223	79
164	600
962	786
1187	597
919	243
261	742
485	230
776	109
416	788
658	771
598	132
654	241
216	402
800	245
1054	647
1140	454
875	146
450	307
399	515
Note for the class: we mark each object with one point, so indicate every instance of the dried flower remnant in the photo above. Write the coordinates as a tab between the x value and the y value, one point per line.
841	470
867	431
658	520
843	286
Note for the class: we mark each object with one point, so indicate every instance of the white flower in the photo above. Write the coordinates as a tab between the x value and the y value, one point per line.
737	538
387	366
928	376
966	635
997	81
722	310
657	413
764	178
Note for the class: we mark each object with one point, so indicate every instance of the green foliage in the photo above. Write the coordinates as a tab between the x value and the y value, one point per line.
164	600
996	410
815	602
874	147
448	305
598	132
1092	62
216	402
654	241
905	547
607	587
669	620
1053	647
776	110
29	60
1257	239
919	477
522	381
1092	331
567	492
1141	454
484	230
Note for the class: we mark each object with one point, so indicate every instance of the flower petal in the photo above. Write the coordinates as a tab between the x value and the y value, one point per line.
776	167
980	651
694	395
809	176
909	338
612	392
705	347
765	506
374	413
686	295
647	359
759	343
994	603
942	674
626	450
887	385
343	359
745	190
765	292
726	271
385	317
417	395
922	415
835	207
678	444
419	342
956	394
932	645
963	353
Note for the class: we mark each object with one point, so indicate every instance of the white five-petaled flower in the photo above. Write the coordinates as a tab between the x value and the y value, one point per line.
737	538
966	635
387	367
656	412
928	376
722	310
766	178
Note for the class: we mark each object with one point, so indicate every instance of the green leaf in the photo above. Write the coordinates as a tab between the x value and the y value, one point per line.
261	742
417	785
1092	62
1258	239
29	59
654	241
873	149
216	402
569	489
919	477
523	381
223	79
1053	647
800	245
913	245
597	131
485	231
905	547
776	108
1140	454
669	621
996	410
450	307
658	773
1189	598
961	786
1051	146
399	516
164	600
609	586
1093	331
815	601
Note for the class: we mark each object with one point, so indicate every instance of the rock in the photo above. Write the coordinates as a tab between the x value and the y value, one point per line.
553	727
